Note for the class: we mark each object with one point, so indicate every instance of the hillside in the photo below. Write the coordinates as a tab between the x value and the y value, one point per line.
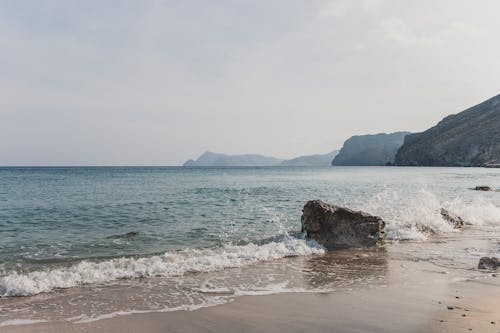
469	138
370	150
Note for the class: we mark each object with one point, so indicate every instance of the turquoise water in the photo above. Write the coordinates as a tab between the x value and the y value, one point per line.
59	217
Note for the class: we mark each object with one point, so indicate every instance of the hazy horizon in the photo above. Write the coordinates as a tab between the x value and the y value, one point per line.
158	83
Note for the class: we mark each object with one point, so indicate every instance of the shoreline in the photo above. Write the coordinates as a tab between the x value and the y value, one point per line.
412	286
406	293
450	307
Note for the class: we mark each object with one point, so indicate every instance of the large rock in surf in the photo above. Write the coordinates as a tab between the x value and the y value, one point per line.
455	220
339	228
489	263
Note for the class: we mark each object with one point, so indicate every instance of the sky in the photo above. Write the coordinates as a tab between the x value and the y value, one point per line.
105	82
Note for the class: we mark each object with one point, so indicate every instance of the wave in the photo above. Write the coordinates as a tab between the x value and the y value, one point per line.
168	264
419	216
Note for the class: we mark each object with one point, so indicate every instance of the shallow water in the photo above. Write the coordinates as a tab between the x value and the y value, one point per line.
206	236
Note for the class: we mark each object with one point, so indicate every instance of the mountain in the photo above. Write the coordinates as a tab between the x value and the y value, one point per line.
311	160
214	159
469	138
367	150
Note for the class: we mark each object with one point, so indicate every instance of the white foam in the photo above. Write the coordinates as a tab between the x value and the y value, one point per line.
272	289
415	217
168	264
479	212
16	322
213	302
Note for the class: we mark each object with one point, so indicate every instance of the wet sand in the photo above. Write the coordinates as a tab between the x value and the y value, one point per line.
435	305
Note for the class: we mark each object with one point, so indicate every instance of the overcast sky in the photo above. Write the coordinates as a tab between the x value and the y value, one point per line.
157	82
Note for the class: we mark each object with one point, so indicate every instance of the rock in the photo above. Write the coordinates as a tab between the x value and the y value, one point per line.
339	228
483	188
453	219
128	235
490	263
469	138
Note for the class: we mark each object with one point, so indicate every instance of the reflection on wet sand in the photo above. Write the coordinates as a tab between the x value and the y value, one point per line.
340	268
322	273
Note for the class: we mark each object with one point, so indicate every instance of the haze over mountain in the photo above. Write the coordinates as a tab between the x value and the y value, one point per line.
370	150
215	159
469	138
208	159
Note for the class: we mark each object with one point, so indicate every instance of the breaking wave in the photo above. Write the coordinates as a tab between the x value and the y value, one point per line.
417	217
168	264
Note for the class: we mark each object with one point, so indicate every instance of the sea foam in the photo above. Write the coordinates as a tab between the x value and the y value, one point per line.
419	216
168	264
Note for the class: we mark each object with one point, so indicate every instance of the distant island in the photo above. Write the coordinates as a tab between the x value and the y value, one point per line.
211	159
311	160
370	150
470	139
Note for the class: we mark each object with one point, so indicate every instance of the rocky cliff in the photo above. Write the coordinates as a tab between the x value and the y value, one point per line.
370	150
469	138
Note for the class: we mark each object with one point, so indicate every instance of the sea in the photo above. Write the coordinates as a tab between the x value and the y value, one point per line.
86	243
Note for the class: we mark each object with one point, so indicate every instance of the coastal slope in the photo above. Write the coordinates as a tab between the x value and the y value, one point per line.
469	138
370	150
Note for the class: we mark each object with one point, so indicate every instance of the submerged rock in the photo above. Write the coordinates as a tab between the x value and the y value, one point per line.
483	188
338	228
128	235
490	263
453	219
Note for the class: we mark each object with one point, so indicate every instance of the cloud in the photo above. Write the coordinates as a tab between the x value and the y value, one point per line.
341	8
159	82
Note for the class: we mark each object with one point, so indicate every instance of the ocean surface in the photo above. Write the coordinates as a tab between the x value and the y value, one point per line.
84	243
